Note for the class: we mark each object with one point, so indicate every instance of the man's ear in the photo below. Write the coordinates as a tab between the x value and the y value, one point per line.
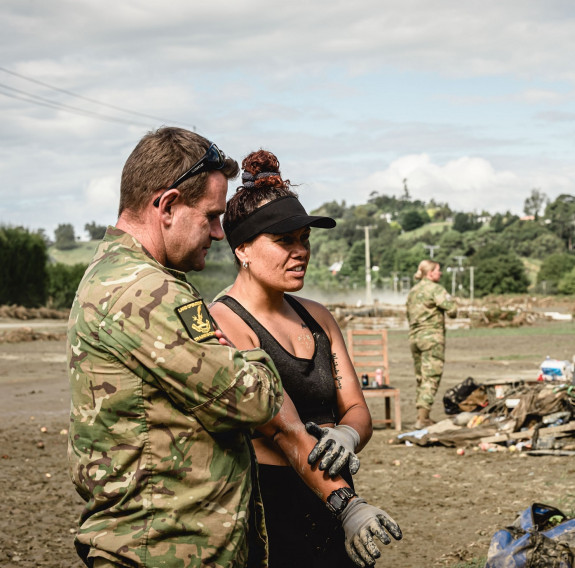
167	200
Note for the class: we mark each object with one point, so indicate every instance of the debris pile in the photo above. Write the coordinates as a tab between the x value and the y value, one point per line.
29	334
491	311
535	417
22	313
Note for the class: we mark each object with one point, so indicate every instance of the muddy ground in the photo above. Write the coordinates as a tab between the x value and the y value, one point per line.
448	505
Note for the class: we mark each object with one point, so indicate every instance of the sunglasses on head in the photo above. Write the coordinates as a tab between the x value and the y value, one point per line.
213	159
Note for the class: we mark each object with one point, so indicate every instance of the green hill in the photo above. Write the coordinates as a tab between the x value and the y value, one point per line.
432	228
81	254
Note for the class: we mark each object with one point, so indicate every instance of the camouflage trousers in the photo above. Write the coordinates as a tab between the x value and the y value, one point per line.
428	358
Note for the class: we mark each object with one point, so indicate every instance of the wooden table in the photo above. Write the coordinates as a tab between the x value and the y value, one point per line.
386	393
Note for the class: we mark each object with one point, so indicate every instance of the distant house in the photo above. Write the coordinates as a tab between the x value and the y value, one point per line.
527	218
335	267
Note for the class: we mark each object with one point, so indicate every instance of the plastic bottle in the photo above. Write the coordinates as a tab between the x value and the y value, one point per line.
379	377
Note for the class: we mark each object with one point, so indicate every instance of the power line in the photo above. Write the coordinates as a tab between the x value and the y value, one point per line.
72	94
40	101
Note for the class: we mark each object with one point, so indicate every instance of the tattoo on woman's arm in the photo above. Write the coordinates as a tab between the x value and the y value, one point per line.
336	376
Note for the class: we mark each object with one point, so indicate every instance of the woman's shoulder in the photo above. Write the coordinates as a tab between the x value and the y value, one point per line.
233	325
310	305
438	288
431	285
317	310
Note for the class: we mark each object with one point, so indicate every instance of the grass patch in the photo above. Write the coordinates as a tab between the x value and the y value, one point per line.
544	329
532	267
475	563
523	331
428	228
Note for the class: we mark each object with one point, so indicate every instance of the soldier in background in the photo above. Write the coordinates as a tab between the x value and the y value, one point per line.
427	304
161	405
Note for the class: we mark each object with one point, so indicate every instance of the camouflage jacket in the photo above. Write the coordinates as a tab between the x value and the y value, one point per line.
427	304
158	445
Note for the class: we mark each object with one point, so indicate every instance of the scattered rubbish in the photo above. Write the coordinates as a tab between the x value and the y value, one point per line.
558	316
467	396
540	536
519	417
415	434
463	418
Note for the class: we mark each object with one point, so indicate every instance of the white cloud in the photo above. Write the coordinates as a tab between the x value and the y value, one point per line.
466	184
352	96
102	195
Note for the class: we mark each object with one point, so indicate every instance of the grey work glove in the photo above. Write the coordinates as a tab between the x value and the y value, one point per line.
336	447
361	522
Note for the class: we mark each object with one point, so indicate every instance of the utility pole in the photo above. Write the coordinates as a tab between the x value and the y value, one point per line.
471	283
453	271
368	297
431	248
460	260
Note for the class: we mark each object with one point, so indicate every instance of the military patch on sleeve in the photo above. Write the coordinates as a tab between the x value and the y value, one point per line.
197	320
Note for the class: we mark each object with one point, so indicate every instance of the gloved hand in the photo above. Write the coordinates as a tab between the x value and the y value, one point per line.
361	522
336	447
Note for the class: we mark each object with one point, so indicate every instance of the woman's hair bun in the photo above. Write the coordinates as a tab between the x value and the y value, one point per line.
261	161
262	169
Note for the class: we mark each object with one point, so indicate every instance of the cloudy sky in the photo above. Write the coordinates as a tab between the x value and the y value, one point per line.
472	102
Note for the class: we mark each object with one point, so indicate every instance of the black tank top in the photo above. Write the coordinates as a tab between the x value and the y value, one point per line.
309	382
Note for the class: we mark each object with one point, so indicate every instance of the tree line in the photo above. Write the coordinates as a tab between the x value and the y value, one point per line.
494	250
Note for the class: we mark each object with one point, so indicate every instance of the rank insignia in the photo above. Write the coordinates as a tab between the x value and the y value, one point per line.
197	320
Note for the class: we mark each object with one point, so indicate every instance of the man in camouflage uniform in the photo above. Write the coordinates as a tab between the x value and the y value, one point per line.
161	405
427	304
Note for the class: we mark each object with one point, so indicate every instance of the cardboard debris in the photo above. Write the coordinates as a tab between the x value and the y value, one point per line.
503	437
521	417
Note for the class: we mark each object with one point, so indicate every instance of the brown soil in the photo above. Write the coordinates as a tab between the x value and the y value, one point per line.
448	505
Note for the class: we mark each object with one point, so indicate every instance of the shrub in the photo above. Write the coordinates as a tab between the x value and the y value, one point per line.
555	266
63	280
23	257
567	283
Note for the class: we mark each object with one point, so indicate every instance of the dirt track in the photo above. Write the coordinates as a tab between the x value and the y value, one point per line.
447	505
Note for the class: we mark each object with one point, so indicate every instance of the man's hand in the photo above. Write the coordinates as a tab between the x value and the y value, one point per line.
361	522
336	447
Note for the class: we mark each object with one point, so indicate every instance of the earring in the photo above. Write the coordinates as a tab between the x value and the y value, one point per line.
244	264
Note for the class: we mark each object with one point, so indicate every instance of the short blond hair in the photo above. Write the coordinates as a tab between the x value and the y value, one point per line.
424	268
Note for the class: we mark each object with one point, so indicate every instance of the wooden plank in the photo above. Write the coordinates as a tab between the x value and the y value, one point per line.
525	435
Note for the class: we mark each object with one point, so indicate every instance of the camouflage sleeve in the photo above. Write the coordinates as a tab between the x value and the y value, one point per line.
223	387
444	301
